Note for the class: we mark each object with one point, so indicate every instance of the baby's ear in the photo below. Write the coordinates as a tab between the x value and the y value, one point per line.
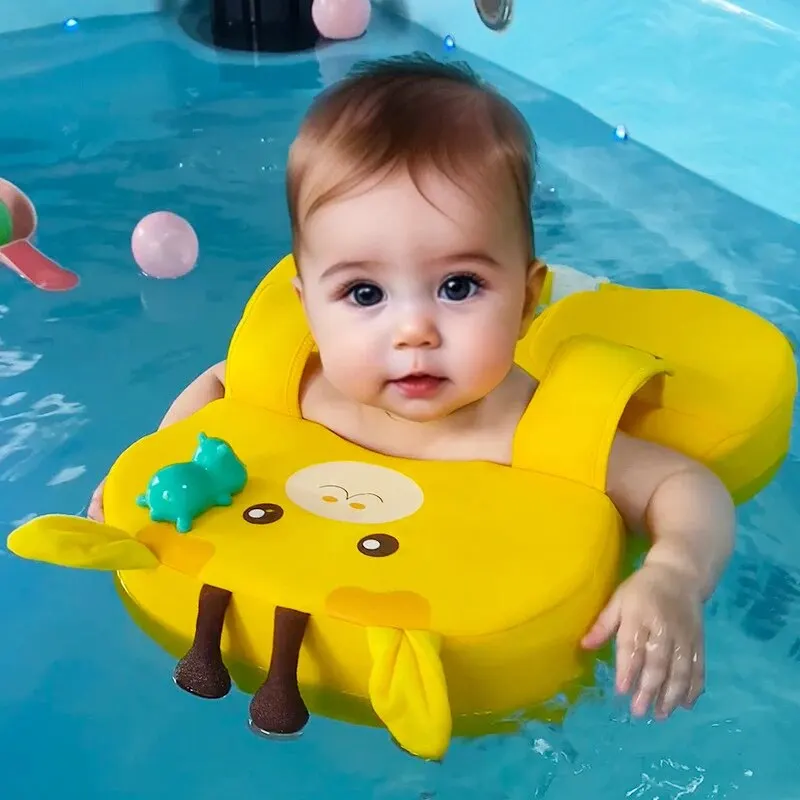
534	286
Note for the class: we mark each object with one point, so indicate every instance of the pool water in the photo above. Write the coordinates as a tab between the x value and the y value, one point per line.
153	120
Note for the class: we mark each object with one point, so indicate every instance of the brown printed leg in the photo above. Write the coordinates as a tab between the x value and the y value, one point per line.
201	671
277	707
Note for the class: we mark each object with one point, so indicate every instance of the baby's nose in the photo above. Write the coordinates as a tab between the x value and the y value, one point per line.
417	329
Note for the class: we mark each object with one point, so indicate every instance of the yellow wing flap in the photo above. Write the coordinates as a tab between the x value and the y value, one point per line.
408	689
77	542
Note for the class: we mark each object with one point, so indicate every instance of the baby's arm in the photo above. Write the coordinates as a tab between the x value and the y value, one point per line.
657	612
684	507
204	389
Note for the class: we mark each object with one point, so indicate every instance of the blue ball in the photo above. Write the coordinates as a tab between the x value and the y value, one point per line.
449	42
621	132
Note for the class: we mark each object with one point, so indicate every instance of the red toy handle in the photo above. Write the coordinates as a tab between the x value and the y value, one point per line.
36	267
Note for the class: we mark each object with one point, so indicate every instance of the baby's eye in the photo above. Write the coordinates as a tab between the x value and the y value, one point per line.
366	294
458	288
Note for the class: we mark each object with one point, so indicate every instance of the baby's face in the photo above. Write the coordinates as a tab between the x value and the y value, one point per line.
415	304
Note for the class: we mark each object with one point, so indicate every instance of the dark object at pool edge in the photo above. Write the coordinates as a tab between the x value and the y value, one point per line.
271	26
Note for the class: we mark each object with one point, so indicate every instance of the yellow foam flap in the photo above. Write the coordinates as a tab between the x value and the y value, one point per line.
570	425
408	689
77	542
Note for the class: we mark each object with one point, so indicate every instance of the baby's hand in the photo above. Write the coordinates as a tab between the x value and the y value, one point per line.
95	510
657	616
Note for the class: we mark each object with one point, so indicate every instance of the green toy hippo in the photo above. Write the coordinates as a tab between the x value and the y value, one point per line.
179	493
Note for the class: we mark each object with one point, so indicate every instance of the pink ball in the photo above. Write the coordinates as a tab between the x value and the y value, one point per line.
164	245
341	19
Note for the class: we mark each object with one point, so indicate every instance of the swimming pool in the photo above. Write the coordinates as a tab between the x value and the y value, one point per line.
152	120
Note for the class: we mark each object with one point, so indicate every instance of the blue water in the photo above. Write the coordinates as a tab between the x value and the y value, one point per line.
151	120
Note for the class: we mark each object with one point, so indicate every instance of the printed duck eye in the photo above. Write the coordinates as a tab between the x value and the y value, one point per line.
378	545
263	513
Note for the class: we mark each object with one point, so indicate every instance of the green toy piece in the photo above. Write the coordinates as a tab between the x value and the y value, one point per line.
179	493
6	225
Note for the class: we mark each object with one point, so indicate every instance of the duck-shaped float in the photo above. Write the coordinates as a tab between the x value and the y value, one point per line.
430	597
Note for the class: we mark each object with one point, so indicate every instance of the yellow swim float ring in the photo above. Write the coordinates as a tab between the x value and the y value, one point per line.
429	597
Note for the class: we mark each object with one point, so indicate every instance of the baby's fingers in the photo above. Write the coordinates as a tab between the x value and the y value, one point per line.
698	677
658	658
676	690
95	510
631	641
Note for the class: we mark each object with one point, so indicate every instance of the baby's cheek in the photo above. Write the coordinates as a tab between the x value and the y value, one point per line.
490	358
352	370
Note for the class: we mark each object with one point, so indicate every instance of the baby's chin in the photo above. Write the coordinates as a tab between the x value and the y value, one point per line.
418	410
422	411
418	415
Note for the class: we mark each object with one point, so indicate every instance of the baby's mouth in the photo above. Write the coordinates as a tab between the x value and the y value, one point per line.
418	385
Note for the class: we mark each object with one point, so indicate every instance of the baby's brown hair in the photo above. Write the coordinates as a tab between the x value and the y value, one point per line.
413	113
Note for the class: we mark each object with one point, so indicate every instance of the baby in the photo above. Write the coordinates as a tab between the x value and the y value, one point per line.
409	188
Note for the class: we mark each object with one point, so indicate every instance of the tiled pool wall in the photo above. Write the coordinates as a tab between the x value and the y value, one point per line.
711	84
